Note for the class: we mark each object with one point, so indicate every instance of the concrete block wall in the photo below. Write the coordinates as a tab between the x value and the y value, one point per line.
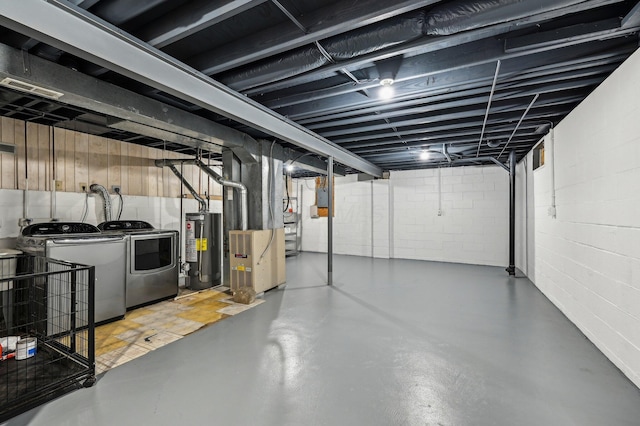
399	217
474	215
353	218
587	259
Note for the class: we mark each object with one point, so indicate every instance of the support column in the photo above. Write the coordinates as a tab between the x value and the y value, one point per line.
512	213
330	222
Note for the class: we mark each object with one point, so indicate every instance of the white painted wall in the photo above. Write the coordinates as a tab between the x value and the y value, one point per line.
403	221
525	218
353	219
587	259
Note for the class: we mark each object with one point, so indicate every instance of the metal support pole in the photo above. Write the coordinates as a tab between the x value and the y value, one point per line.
330	221
512	213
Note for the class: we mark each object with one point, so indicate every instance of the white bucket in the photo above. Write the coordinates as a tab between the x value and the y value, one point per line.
26	348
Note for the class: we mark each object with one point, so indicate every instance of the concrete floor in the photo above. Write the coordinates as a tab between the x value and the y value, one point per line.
394	342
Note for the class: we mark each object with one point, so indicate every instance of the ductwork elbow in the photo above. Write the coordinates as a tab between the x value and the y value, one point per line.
244	208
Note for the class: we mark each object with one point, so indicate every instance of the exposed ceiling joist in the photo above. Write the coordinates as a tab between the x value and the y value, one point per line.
68	27
92	94
601	30
444	68
427	45
337	18
189	20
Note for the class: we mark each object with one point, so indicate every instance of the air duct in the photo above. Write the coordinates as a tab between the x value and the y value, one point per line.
463	15
449	18
359	42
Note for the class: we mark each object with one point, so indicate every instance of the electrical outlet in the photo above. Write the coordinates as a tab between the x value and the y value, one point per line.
115	188
58	185
83	186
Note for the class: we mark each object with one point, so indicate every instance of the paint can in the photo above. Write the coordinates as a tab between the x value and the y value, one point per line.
26	348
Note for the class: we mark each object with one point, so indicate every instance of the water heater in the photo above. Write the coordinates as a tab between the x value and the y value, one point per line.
203	249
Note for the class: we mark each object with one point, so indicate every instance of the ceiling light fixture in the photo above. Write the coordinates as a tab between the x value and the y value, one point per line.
386	91
290	167
425	155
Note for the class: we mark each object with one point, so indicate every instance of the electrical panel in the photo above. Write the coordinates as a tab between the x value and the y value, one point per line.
257	260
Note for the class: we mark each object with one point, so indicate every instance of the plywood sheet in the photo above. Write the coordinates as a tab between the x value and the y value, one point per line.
44	157
135	173
114	176
8	161
98	160
69	180
59	151
81	159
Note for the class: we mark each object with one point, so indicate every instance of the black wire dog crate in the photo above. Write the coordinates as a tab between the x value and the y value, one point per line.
46	330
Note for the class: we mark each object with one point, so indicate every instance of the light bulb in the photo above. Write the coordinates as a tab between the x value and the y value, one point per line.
386	92
290	167
425	155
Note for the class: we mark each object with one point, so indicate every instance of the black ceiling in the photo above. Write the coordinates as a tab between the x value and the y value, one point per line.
320	63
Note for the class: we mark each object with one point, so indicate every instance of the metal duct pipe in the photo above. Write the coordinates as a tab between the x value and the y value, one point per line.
244	203
512	214
99	189
203	204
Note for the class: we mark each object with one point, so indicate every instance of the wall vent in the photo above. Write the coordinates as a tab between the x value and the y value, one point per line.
30	88
7	148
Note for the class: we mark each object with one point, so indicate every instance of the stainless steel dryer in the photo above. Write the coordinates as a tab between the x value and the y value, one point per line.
84	244
152	260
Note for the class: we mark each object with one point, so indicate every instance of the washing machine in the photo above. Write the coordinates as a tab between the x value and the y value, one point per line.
151	260
83	243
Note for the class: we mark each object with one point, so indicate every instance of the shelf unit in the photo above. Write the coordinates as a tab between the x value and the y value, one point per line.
292	227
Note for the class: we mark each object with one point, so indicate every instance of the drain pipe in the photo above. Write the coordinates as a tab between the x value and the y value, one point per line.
512	214
99	189
203	204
